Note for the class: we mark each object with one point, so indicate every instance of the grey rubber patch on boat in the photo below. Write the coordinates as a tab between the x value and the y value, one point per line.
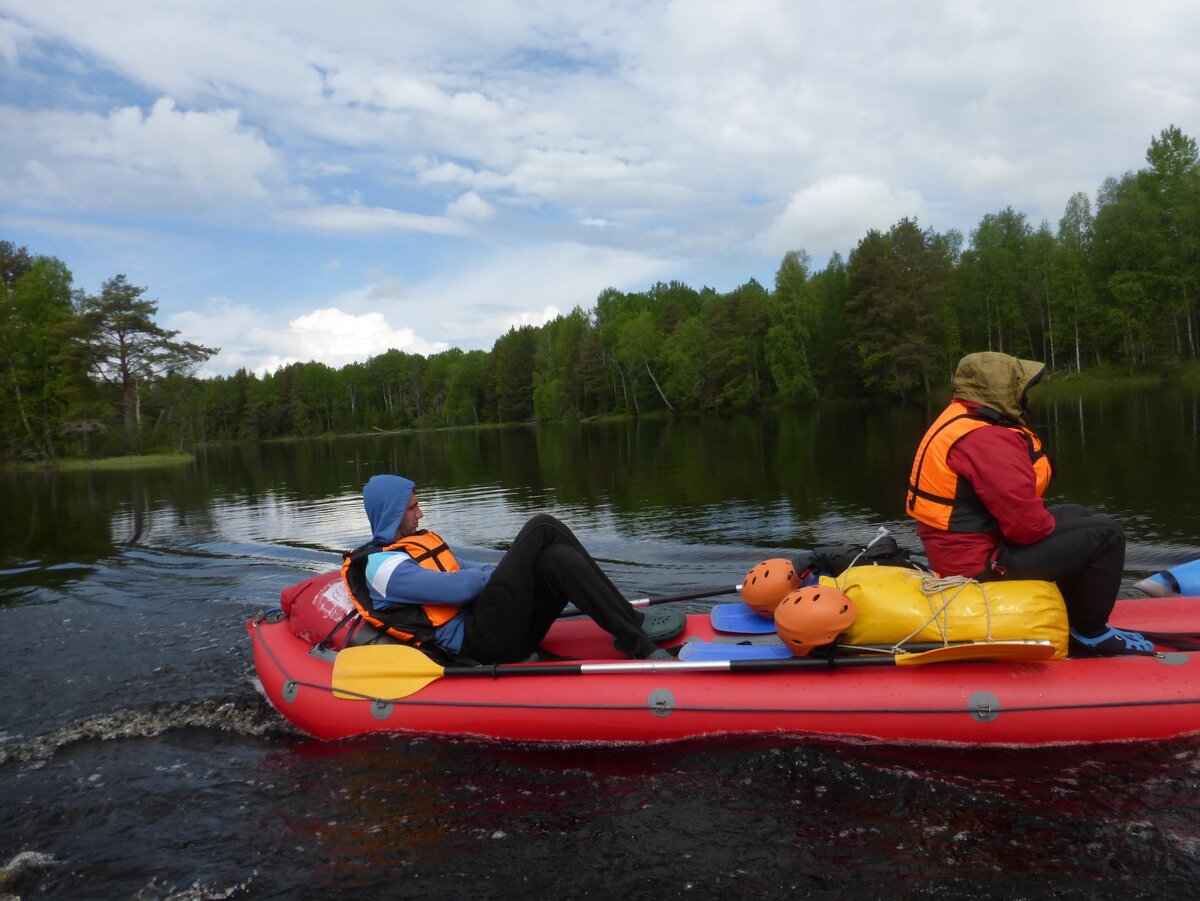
290	689
983	706
1173	658
381	710
661	702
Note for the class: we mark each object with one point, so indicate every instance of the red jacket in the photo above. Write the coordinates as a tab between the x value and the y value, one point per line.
996	463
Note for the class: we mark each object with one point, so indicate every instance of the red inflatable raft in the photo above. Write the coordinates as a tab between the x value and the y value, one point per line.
1074	701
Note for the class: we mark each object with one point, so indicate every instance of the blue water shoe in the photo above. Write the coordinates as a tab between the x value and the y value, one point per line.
1111	643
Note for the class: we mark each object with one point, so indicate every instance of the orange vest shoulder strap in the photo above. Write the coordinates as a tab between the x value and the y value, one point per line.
428	549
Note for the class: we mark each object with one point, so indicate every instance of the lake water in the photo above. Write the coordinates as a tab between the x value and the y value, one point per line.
137	757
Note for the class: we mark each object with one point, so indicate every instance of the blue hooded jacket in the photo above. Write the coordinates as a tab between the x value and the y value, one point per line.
385	499
393	577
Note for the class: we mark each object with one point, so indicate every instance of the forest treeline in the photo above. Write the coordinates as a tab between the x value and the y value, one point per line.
1114	284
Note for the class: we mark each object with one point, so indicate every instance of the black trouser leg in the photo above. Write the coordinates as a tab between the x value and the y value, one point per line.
1084	555
545	568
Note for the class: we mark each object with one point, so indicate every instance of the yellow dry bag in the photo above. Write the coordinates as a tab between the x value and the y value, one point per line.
901	605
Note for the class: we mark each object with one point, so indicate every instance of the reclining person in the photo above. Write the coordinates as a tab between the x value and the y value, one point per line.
406	581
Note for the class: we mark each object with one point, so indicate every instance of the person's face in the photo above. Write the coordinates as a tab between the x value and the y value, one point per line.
410	519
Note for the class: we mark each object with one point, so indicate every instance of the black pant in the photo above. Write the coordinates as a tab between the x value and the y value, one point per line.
545	568
1084	555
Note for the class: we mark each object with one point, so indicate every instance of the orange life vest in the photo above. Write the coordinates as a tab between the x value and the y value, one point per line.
937	495
413	624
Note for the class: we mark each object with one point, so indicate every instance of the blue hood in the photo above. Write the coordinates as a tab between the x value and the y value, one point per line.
385	499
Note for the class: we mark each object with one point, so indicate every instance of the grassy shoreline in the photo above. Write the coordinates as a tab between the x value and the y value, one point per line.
137	461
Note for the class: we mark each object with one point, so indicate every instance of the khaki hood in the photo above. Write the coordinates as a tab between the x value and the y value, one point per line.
997	381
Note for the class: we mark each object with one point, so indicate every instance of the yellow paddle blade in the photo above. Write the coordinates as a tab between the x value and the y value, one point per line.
382	671
1012	651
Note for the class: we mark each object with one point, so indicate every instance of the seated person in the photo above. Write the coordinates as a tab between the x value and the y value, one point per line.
976	492
407	582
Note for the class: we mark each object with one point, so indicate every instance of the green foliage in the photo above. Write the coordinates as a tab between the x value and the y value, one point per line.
734	370
38	381
127	350
898	308
683	358
467	388
1072	288
563	356
1190	375
513	359
793	316
1114	290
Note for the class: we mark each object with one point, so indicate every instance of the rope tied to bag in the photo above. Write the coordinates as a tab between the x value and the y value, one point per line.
948	589
930	586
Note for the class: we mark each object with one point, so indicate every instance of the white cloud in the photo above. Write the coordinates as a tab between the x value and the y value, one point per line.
185	52
987	172
704	136
350	219
835	213
326	335
386	289
161	158
11	33
324	169
533	317
335	337
436	172
483	331
466	308
525	286
83	231
226	325
386	86
471	206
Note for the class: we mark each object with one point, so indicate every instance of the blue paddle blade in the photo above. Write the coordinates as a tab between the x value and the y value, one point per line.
1157	586
740	619
724	650
1183	579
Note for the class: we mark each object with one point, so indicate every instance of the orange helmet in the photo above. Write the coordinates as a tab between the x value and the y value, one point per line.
813	616
767	583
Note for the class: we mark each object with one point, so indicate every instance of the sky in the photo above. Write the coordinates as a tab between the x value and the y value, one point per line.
295	181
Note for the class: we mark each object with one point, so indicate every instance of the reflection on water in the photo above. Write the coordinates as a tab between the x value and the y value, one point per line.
646	493
135	752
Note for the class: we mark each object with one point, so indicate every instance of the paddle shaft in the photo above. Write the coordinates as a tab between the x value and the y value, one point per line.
1184	641
496	670
571	610
909	647
397	671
